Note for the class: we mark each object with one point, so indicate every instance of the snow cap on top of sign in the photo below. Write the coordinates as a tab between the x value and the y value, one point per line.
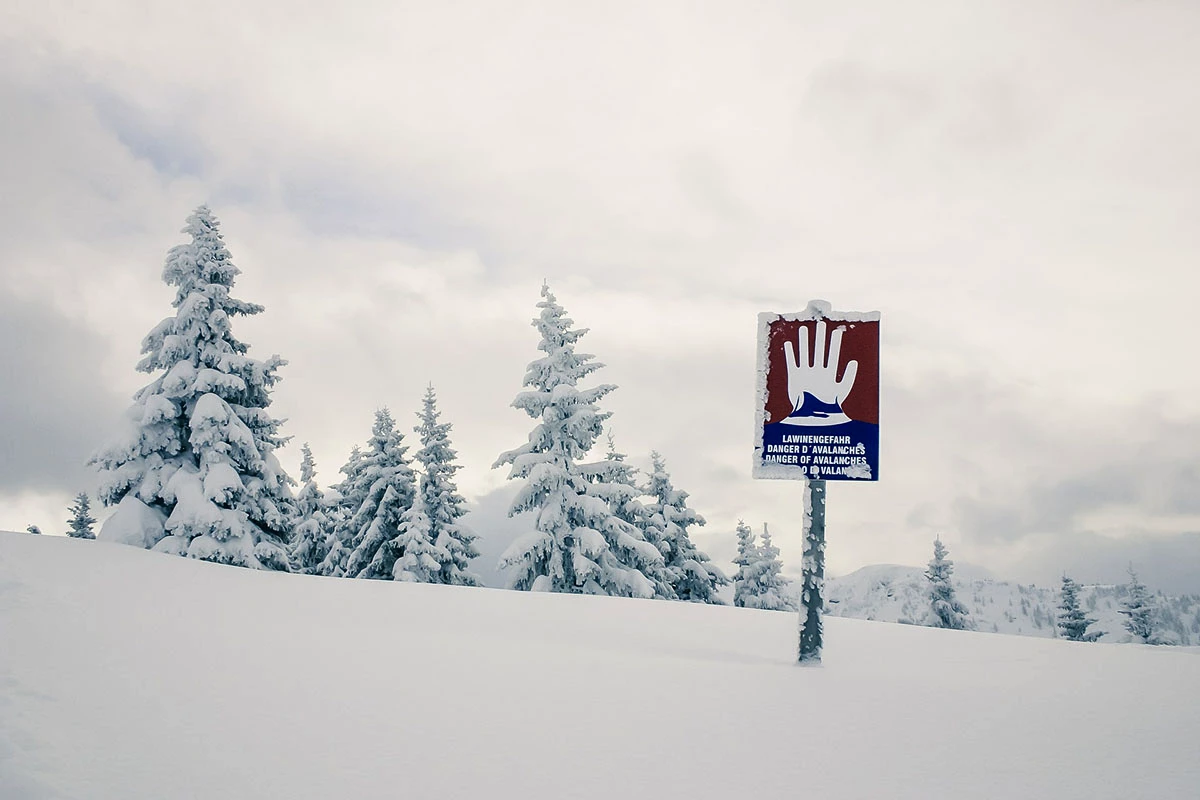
823	309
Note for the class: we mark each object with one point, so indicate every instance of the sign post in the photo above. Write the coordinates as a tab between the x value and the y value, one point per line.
813	574
817	420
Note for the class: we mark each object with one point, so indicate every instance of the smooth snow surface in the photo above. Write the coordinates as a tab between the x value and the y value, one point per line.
129	674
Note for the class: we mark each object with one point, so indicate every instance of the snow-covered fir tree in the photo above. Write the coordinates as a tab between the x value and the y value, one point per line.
1138	608
379	488
197	473
578	545
945	609
746	560
692	575
770	587
434	528
616	482
81	520
617	478
339	542
310	544
1072	621
413	554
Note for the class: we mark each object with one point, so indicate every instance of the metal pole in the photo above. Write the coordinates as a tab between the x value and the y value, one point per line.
813	572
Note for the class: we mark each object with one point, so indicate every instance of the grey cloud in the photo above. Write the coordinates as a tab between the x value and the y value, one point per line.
1039	507
706	184
884	112
1160	477
922	515
987	522
332	196
1166	564
337	202
877	105
1180	488
168	144
997	114
83	192
55	407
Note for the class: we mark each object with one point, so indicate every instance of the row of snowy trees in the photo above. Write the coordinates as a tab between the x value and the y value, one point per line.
391	517
196	473
1136	606
947	612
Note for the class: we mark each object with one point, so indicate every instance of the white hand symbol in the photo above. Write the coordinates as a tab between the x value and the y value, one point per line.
818	377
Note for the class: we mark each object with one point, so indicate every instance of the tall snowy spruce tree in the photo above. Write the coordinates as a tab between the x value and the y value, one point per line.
1072	621
81	520
578	545
310	544
1138	608
692	575
436	546
945	609
197	473
379	488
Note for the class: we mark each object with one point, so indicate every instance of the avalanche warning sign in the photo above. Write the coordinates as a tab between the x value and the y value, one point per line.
818	395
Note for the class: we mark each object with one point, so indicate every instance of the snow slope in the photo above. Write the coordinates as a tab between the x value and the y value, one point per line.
129	674
892	593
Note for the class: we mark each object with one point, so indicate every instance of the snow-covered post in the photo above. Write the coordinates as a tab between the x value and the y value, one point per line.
813	573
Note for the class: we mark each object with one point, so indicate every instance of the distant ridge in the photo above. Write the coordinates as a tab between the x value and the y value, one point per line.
897	593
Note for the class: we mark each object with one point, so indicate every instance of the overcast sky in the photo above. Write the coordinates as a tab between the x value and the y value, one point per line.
1014	186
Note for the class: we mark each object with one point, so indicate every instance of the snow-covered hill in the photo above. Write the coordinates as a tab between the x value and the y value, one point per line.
891	593
129	674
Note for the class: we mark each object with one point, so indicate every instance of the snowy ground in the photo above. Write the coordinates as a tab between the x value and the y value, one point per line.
127	674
